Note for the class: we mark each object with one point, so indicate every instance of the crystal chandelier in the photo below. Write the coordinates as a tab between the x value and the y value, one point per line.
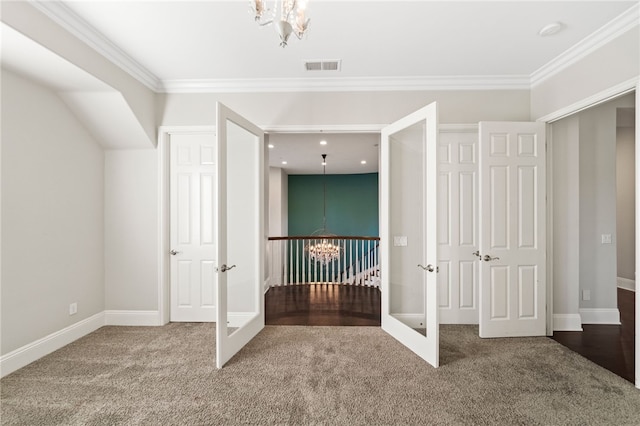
287	17
323	251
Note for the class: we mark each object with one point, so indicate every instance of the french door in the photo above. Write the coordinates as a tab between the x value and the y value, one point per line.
239	233
408	200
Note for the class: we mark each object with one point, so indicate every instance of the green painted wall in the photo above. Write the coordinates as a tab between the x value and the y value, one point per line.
352	204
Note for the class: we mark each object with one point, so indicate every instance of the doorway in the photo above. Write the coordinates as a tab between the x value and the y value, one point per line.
594	241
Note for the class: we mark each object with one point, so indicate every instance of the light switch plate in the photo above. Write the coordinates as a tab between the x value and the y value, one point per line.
606	238
400	241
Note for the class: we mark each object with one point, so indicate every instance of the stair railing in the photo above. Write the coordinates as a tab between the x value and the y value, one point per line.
289	263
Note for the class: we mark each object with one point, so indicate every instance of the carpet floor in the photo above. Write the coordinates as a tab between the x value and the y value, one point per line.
292	375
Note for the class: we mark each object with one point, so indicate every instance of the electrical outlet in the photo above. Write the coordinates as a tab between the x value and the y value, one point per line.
73	308
586	294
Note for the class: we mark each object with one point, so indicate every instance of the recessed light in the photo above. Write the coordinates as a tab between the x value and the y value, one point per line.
271	146
323	142
284	162
551	29
363	162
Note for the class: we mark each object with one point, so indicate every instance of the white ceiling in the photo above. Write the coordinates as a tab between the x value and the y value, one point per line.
182	46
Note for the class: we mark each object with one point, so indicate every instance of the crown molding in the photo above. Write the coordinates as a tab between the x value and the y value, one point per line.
65	17
610	31
69	20
347	84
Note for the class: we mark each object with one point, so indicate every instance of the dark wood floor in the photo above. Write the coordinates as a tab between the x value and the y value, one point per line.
322	304
610	346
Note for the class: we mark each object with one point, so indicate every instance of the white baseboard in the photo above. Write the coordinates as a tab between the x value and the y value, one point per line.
27	354
600	316
567	322
238	319
626	284
132	318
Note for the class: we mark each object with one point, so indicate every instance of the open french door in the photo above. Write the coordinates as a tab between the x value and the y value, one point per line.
239	232
512	217
408	200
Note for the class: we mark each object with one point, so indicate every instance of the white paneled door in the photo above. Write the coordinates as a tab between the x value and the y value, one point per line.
512	215
192	193
408	231
240	236
458	227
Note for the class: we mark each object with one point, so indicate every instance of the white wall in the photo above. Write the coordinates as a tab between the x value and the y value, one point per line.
131	230
584	208
52	215
348	108
626	199
598	206
278	202
614	63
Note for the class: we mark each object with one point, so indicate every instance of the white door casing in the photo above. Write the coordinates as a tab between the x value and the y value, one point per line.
192	200
458	227
512	214
241	240
408	210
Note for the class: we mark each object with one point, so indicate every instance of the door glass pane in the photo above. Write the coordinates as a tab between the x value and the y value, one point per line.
242	226
408	227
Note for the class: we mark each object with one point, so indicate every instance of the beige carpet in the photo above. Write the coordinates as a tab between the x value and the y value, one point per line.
292	375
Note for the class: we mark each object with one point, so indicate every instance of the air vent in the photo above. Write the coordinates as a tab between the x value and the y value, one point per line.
326	65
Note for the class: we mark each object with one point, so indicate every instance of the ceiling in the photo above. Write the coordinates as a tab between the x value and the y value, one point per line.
215	46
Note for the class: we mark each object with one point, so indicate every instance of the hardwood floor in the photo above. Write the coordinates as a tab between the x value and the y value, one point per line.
610	346
323	304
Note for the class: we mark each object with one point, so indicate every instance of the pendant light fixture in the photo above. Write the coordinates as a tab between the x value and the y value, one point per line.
322	249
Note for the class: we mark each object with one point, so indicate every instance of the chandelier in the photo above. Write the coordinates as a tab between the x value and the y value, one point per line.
287	17
323	251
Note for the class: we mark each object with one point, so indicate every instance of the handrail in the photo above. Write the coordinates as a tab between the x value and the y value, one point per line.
317	237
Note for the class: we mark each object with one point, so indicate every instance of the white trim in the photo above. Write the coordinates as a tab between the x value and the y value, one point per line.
131	318
359	128
593	100
610	31
33	351
567	322
600	316
626	284
69	20
348	84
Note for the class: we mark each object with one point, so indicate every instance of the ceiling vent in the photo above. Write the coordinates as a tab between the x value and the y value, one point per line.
326	65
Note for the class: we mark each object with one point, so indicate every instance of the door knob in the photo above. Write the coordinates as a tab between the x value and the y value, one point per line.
488	258
225	268
477	253
428	268
173	252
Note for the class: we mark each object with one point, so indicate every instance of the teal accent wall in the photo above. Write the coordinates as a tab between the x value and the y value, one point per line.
352	204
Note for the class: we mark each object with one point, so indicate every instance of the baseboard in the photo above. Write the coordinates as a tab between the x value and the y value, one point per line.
27	354
567	322
132	318
600	316
626	284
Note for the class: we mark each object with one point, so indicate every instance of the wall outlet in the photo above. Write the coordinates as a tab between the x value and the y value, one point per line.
73	308
586	294
606	238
